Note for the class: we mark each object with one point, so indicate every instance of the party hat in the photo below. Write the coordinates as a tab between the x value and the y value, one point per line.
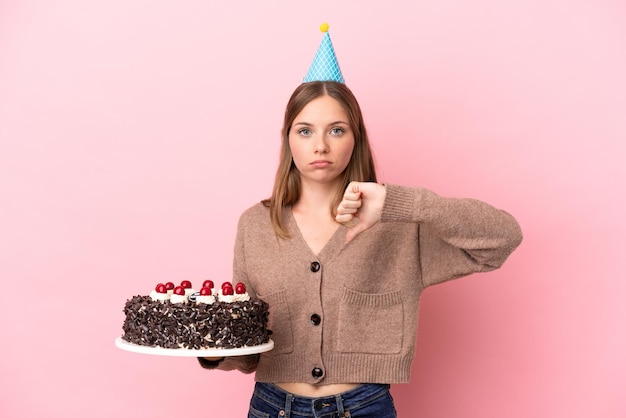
325	66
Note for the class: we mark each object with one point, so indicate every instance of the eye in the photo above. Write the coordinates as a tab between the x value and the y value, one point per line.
337	131
304	131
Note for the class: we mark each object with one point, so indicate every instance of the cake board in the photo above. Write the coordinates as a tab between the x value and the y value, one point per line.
186	352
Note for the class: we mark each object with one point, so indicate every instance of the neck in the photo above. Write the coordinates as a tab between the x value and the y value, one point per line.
315	198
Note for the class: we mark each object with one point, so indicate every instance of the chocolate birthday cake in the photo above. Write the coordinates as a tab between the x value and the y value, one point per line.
180	317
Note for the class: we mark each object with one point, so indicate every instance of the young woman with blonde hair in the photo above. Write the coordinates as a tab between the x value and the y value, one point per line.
342	261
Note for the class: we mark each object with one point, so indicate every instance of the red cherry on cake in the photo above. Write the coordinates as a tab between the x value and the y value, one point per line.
205	291
160	288
240	288
209	284
186	284
179	290
169	286
227	284
227	290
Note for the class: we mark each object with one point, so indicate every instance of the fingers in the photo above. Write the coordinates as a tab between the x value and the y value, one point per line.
353	187
349	206
352	192
363	201
342	219
347	210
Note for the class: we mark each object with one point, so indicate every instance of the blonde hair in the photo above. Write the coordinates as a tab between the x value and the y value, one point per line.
287	184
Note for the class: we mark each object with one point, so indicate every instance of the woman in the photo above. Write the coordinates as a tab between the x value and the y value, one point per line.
342	261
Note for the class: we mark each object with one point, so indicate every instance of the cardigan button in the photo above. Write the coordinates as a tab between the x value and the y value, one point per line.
315	266
317	373
316	319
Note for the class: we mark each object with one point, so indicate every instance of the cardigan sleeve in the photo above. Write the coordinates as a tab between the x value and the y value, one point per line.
456	237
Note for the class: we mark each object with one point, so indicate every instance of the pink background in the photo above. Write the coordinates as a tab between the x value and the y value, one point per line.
133	133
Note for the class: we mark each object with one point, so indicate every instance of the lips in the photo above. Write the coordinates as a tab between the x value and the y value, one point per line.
320	163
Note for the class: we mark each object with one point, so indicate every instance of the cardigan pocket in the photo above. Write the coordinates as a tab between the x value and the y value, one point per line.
370	323
279	322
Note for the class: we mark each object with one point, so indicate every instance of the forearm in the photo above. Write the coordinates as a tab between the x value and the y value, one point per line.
487	234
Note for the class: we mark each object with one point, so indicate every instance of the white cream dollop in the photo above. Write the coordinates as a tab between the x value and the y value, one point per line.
233	298
208	299
154	295
179	298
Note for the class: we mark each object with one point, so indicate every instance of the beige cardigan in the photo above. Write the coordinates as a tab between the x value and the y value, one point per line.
350	313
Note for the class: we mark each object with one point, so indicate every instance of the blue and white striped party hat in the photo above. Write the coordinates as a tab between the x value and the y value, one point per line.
325	66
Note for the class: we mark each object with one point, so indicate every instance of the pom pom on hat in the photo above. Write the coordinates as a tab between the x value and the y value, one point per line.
325	66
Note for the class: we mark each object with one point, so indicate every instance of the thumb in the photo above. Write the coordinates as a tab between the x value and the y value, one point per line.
355	230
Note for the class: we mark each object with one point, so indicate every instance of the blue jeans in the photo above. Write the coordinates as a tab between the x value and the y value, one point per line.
367	400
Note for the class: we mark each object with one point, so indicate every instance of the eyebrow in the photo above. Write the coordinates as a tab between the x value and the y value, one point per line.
338	122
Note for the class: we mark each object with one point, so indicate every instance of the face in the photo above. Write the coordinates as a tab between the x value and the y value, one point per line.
321	141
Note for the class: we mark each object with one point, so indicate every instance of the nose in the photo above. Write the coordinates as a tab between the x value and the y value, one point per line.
321	145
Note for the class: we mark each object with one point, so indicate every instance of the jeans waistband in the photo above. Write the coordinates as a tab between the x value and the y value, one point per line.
340	402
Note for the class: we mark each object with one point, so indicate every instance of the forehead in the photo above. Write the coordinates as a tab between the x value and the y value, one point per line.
324	109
